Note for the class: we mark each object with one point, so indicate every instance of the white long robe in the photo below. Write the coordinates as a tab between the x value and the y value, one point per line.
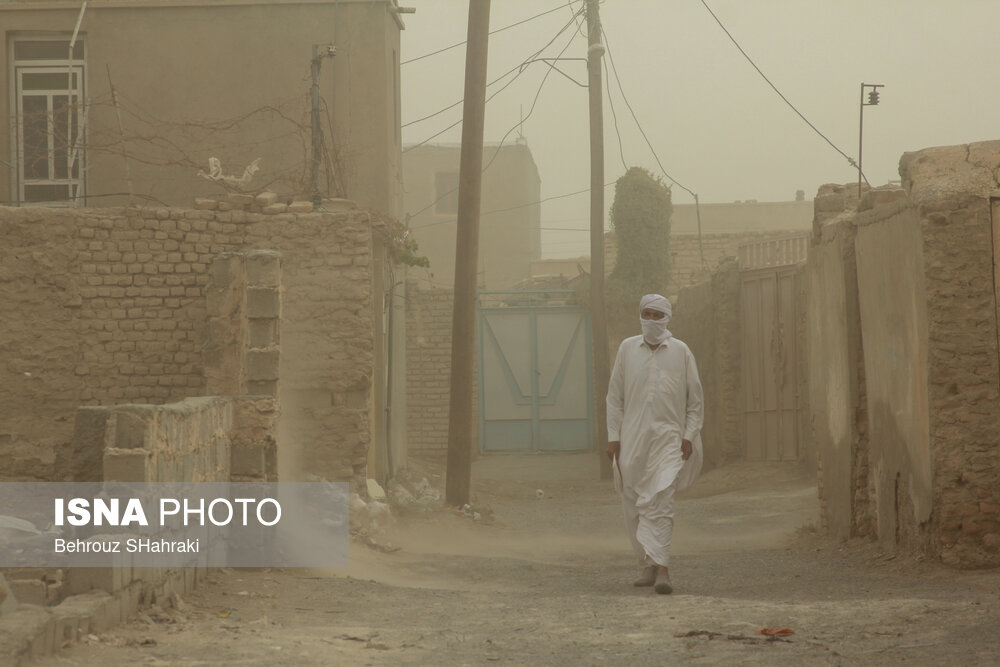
654	402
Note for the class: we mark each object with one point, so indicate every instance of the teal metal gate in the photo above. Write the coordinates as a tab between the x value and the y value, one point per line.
535	386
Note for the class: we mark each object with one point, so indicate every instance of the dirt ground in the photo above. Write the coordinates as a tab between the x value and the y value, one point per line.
548	582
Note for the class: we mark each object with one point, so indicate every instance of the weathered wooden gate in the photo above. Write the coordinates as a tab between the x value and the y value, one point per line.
771	280
535	387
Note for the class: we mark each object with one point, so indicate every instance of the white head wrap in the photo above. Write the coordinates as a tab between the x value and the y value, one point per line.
654	332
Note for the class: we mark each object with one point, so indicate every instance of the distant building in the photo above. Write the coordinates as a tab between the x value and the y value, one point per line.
509	233
192	81
724	228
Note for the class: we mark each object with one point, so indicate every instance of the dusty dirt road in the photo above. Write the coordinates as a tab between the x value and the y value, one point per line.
548	583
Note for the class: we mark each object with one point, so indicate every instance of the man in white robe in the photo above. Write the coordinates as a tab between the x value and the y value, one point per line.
655	414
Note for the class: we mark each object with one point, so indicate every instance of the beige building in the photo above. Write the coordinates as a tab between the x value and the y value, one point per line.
509	233
158	88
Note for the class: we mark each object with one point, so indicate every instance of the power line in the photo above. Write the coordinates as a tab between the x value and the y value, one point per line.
637	123
611	104
518	124
697	202
492	32
850	160
511	208
521	67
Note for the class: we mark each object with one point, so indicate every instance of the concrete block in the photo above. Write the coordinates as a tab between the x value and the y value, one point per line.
263	268
240	200
130	429
300	207
274	209
262	365
205	204
266	199
263	302
83	462
248	461
263	332
265	388
226	269
126	465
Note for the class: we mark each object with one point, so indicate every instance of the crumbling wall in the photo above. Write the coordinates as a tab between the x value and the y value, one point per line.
924	367
953	192
109	306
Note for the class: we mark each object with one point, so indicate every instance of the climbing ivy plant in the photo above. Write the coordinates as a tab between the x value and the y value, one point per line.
640	218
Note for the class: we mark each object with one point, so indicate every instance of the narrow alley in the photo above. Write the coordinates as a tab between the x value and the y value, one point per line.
546	580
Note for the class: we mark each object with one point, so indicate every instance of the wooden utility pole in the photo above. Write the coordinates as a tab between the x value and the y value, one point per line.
463	325
602	374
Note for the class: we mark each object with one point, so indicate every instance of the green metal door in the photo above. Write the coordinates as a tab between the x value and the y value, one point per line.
535	387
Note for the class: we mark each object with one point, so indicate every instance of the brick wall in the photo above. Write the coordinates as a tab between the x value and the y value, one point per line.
686	254
107	306
428	366
706	317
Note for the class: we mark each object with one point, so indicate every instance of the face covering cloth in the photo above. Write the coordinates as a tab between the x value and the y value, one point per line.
655	332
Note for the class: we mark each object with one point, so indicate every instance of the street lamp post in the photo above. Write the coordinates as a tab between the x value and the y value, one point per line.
872	101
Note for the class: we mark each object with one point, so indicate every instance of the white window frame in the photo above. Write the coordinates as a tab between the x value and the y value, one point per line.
77	66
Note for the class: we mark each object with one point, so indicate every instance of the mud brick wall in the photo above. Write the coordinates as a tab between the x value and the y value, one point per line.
921	400
108	306
428	371
951	189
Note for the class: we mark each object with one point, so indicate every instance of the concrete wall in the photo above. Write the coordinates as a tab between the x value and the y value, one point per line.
893	307
509	230
833	353
108	306
231	81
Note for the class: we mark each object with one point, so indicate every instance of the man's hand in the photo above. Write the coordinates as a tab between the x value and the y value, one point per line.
614	449
686	449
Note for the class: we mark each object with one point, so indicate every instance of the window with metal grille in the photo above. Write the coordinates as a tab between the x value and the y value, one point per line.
48	101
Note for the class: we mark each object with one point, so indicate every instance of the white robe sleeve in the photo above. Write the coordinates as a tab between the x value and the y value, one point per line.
616	399
695	411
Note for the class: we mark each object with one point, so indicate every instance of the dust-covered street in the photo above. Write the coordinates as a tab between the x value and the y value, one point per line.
548	581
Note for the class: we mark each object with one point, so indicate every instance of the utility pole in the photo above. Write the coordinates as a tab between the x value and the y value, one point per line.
872	101
463	325
319	52
599	340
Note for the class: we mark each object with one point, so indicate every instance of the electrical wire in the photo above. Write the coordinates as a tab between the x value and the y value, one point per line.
492	32
611	104
849	159
614	69
517	125
520	67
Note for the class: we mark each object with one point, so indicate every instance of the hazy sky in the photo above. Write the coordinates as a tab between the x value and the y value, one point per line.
718	128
